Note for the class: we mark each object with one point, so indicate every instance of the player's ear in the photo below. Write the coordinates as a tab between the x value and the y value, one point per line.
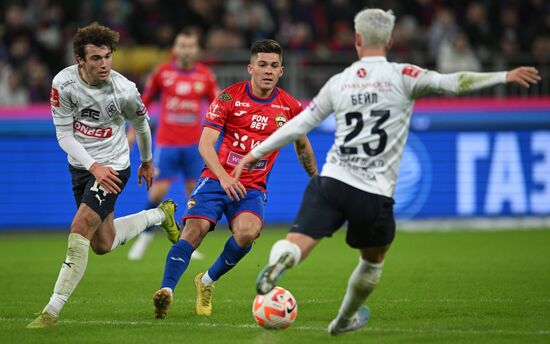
389	44
282	71
358	41
249	68
79	60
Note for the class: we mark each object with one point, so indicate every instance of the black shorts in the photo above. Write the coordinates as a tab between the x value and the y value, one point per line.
328	203
87	190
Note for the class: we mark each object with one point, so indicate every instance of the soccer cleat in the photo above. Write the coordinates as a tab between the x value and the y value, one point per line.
170	225
203	304
162	300
270	275
43	320
339	325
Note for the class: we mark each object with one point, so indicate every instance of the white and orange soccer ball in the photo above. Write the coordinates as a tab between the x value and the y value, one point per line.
275	310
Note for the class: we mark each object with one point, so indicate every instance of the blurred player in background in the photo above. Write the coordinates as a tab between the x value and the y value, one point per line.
372	101
90	104
246	113
184	84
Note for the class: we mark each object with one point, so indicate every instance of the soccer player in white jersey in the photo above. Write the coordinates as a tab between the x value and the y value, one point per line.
372	101
90	104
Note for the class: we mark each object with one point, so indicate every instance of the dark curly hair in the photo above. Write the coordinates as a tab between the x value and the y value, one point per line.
266	46
95	34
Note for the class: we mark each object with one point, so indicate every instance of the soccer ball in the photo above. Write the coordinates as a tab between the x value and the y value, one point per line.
275	310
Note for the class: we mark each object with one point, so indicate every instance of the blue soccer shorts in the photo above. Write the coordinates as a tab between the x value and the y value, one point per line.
172	162
209	201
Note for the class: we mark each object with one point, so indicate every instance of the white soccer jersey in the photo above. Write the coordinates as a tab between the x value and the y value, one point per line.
372	101
98	114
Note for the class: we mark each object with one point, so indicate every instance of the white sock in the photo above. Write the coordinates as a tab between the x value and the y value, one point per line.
206	279
361	283
283	246
71	273
129	226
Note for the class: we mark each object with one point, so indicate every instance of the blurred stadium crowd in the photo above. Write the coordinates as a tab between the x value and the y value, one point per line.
447	35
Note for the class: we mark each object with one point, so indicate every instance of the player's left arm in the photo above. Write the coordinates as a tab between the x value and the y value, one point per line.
427	82
136	112
305	154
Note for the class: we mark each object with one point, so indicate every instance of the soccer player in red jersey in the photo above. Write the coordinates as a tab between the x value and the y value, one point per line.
184	85
246	113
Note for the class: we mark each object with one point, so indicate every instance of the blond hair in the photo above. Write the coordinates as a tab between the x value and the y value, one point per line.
374	25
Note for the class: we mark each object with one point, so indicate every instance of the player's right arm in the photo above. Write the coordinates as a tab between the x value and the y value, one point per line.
420	82
233	188
62	113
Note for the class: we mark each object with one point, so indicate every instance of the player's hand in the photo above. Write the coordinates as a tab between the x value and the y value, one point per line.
232	187
523	76
246	163
106	177
147	172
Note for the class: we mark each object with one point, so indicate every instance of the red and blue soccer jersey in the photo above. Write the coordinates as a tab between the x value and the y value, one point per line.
245	121
182	93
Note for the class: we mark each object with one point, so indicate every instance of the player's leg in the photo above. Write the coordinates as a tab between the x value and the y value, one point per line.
85	223
191	166
156	193
371	228
319	216
246	221
177	261
203	212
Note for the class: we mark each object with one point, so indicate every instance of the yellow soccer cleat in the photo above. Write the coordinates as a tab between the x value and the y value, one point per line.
43	320
170	225
162	300
203	304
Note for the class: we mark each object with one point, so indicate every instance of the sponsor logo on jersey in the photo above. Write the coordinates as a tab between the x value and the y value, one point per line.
191	203
412	71
243	104
67	83
90	113
101	133
212	111
225	97
111	109
240	140
54	97
233	159
280	120
361	72
259	122
240	113
282	107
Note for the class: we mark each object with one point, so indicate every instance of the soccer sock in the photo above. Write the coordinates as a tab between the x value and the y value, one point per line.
177	262
71	273
361	283
150	205
283	246
232	253
129	226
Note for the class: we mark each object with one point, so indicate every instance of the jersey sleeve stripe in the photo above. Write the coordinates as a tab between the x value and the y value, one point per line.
212	125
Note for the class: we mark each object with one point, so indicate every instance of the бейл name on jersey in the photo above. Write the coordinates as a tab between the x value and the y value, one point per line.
364	98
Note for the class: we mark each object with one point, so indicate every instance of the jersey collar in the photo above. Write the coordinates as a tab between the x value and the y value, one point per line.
374	59
260	100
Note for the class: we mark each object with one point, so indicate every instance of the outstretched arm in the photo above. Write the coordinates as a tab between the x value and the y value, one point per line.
465	82
305	154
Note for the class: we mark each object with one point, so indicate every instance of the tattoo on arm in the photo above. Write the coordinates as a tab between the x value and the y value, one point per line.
306	157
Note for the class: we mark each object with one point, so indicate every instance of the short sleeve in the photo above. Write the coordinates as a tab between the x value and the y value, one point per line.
419	82
217	112
134	107
60	101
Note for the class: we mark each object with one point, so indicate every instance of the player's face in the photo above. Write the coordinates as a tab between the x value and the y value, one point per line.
265	69
186	50
96	66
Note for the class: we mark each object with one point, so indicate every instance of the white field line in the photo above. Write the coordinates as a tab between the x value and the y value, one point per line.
156	323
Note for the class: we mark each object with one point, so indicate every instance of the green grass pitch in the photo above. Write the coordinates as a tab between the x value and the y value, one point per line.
453	287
